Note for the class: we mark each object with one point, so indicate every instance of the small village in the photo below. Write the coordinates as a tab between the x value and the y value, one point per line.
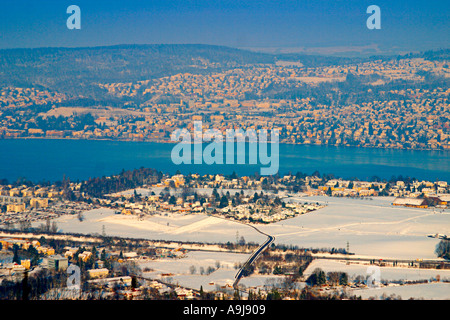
244	97
105	267
117	268
250	199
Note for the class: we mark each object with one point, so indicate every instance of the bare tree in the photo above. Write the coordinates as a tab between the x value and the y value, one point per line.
192	269
334	277
54	227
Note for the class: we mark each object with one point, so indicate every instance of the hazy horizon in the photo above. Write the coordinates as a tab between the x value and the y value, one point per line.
338	51
317	27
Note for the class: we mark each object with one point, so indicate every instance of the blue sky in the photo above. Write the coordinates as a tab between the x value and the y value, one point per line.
409	25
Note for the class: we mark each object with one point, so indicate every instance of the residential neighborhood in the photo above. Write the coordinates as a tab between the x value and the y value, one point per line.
401	119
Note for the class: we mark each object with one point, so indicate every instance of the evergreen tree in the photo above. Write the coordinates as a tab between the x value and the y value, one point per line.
34	255
16	258
274	295
42	240
215	194
94	252
317	278
343	279
223	202
443	249
277	270
103	255
133	282
172	200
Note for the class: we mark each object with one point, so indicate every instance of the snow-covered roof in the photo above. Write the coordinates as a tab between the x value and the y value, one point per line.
409	201
444	197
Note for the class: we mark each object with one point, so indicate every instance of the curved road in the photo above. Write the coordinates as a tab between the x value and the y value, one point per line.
254	255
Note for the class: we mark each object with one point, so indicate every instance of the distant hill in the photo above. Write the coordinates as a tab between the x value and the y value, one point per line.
78	71
68	69
74	70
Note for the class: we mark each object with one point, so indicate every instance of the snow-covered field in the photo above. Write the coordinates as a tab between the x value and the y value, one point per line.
174	226
427	291
198	259
386	273
372	227
181	270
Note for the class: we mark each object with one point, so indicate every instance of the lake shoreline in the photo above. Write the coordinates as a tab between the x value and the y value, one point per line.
38	159
176	142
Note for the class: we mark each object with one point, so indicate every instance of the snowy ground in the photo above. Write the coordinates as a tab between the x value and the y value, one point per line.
373	228
386	273
427	291
174	226
222	276
187	270
435	290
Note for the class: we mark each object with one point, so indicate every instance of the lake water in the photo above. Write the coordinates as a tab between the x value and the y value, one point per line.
47	159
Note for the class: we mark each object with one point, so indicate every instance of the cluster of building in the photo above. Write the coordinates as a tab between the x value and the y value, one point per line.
411	118
122	287
434	200
266	213
412	189
197	198
17	199
29	214
26	204
104	279
15	97
8	267
233	84
249	209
